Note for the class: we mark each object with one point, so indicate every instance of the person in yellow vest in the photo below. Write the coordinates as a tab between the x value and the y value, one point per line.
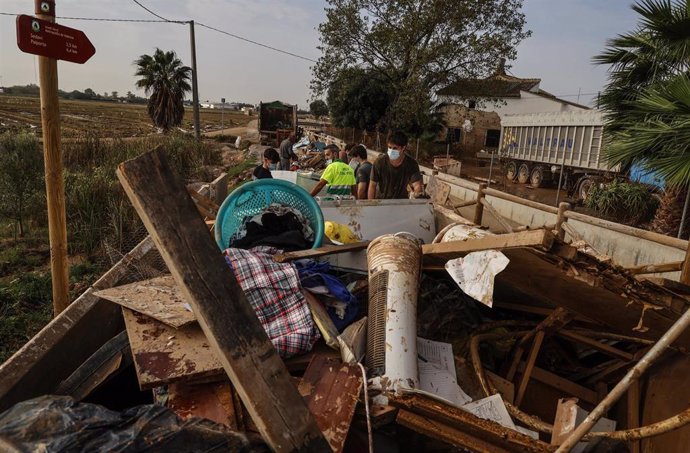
339	176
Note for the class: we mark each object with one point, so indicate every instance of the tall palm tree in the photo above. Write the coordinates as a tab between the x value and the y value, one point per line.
647	103
165	80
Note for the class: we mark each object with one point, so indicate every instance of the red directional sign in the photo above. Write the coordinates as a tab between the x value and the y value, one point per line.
52	40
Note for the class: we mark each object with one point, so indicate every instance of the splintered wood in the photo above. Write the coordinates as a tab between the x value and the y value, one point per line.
331	390
159	298
163	354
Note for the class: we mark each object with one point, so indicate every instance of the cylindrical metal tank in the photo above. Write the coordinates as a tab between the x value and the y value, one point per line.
394	262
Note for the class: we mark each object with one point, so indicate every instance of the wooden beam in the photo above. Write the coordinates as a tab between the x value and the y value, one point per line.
321	251
594	344
673	266
533	238
566	386
565	421
529	367
499	218
633	414
226	317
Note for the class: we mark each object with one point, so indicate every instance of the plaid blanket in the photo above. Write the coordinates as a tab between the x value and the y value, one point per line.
274	291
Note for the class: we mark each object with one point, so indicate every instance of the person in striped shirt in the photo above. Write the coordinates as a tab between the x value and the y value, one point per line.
338	175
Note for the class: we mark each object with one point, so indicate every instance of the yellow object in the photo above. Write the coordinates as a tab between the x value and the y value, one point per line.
338	232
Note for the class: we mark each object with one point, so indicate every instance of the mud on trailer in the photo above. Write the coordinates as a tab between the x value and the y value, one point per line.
563	149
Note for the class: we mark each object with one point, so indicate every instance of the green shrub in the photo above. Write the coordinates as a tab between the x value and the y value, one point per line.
623	201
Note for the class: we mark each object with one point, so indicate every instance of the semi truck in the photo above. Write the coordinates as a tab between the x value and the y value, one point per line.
565	148
277	121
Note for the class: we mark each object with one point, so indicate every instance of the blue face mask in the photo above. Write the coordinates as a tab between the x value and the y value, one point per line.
272	166
393	153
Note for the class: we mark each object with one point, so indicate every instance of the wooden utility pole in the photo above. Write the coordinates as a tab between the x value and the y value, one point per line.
52	150
195	83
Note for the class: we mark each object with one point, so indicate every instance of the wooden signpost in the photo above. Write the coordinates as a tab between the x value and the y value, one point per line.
41	36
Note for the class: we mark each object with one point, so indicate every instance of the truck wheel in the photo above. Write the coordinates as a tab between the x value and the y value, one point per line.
523	174
585	188
511	170
536	178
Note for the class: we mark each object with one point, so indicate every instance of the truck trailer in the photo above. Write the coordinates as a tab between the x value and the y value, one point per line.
564	147
277	121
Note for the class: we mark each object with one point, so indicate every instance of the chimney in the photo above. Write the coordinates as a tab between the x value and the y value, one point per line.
501	69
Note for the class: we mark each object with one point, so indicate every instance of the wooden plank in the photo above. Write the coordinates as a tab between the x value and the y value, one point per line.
656	268
61	347
163	354
533	238
565	421
440	431
224	314
529	366
590	289
633	414
205	205
331	389
113	355
159	298
490	434
568	387
322	320
597	345
498	217
504	386
213	401
321	251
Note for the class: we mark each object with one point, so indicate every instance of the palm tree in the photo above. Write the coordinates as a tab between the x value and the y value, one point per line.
166	80
647	101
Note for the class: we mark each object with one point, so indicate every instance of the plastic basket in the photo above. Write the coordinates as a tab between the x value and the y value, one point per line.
253	197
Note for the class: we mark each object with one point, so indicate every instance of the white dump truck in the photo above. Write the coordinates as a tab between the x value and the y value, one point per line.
564	148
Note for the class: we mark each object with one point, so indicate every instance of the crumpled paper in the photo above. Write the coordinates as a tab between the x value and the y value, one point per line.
475	273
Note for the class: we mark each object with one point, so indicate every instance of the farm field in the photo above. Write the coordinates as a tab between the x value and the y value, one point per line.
107	119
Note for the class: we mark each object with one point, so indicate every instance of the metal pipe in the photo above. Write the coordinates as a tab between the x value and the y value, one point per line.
635	372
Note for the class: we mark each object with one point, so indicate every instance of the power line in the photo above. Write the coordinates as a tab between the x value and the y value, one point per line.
256	43
100	19
157	15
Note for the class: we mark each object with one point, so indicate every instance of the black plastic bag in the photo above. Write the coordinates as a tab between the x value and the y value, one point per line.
55	424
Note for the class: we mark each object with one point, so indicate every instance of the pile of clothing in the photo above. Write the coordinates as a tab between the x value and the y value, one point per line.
278	226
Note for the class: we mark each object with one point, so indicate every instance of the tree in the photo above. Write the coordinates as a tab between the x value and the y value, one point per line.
166	80
90	94
21	175
359	99
318	108
114	95
647	100
417	46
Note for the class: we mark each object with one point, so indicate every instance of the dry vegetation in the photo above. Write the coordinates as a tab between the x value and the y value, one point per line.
106	119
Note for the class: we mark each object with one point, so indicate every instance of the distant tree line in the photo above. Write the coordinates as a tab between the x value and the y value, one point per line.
86	95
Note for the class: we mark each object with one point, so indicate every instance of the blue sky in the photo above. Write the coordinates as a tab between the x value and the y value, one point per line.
566	34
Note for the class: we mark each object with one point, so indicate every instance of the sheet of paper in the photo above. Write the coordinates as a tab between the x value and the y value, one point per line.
491	408
437	371
475	273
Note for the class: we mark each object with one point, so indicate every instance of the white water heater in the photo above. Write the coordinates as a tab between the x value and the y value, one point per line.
394	262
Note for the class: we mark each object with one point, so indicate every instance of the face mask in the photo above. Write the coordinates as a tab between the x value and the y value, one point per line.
329	161
393	153
272	166
354	163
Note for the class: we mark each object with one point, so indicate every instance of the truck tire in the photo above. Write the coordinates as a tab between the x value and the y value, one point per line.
536	178
511	170
523	174
585	187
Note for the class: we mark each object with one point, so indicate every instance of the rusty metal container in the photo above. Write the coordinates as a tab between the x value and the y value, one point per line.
394	262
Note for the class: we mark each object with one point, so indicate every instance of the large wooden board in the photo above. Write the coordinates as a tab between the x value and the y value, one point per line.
163	355
331	389
226	318
543	239
159	298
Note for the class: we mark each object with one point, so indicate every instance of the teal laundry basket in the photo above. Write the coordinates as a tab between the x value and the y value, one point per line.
253	197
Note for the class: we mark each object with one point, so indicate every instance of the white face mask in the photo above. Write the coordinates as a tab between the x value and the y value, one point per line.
329	161
393	153
354	163
272	166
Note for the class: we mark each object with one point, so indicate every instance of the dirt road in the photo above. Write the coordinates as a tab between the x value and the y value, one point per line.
249	132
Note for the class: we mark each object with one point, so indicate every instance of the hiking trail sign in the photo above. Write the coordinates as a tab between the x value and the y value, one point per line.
48	39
